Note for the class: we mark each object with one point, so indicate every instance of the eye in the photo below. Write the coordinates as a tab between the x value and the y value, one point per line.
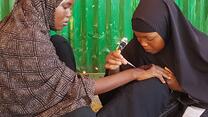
151	38
66	5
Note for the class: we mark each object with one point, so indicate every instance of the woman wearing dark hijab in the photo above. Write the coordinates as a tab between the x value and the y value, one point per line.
33	81
62	46
162	36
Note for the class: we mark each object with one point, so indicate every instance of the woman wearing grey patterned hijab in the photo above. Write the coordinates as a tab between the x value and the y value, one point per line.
33	81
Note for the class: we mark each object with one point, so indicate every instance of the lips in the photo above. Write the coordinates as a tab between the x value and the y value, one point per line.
65	24
148	50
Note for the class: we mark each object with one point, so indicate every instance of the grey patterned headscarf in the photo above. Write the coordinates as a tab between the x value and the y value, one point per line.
33	81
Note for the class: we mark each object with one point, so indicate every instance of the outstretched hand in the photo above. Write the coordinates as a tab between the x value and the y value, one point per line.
150	71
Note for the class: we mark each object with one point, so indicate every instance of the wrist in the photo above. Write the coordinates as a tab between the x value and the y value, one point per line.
113	71
136	73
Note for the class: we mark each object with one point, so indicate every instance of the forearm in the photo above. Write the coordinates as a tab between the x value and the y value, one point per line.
111	72
108	83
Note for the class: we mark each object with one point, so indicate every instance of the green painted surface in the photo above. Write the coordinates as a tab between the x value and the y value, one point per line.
97	25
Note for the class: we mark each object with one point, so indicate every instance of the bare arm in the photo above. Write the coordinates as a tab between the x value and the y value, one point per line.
108	83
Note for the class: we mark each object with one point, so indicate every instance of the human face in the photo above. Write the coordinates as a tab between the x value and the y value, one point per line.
152	42
62	14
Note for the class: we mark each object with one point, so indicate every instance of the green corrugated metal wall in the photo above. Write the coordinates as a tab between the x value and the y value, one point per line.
97	26
5	6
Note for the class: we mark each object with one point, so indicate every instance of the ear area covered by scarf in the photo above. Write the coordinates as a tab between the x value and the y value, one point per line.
48	7
51	6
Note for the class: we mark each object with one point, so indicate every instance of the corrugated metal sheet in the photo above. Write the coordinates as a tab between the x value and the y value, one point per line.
97	26
5	7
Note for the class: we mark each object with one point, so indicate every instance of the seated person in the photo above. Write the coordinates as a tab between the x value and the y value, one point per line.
33	81
63	47
162	36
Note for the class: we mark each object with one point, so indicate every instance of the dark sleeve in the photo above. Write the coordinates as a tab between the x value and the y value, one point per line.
64	51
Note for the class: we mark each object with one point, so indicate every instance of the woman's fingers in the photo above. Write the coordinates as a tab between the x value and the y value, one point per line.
117	54
168	70
151	71
170	73
161	71
161	78
124	61
158	72
111	67
114	60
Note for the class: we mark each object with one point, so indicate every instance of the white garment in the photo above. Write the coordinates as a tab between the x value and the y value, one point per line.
192	111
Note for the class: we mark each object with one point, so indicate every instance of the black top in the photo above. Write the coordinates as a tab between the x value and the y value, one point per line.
186	50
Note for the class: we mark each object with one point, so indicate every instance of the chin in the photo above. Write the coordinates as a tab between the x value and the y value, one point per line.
59	28
151	52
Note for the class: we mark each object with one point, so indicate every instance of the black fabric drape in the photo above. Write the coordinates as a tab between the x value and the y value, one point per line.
186	49
64	51
185	52
147	98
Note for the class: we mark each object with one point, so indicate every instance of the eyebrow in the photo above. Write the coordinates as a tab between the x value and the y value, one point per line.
148	37
143	36
152	35
67	3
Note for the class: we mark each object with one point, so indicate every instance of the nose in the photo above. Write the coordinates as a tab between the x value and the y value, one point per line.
68	13
143	43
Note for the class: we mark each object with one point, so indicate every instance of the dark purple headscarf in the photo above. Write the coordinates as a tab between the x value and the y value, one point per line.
186	50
